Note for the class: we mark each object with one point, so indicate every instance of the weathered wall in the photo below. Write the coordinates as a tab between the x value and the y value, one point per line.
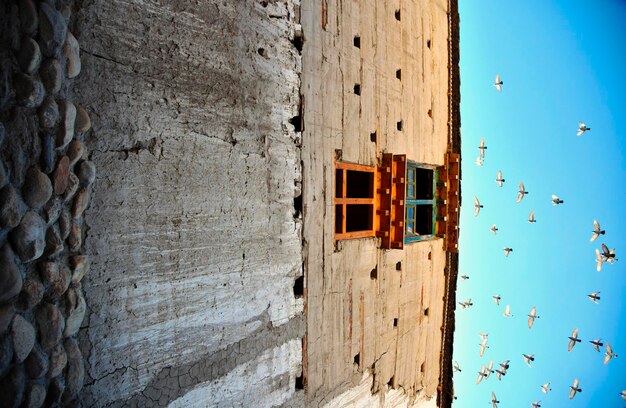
193	214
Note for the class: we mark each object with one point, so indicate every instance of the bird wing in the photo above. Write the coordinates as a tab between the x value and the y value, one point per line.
531	217
575	333
595	346
507	311
496	299
499	88
482	349
581	125
476	202
479	161
482	143
596	226
572	392
594	294
531	317
580	132
482	153
521	187
519	197
605	250
594	236
571	344
476	211
494	400
497	78
480	378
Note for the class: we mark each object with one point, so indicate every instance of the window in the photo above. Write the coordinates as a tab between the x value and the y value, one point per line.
354	200
420	208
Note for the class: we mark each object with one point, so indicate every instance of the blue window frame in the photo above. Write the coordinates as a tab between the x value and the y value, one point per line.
420	202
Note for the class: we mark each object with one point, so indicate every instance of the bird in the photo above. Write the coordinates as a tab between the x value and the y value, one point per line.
536	404
599	261
499	178
597	343
456	367
507	251
574	389
546	388
607	255
573	339
481	374
522	191
498	83
483	347
483	336
556	200
500	373
464	277
531	217
623	394
477	206
489	370
505	364
594	297
466	304
496	299
494	229
597	231
482	148
507	311
528	358
494	400
479	161
608	354
532	316
582	128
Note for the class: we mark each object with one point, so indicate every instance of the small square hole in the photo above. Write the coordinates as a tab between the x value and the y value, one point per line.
357	41
357	89
430	113
398	266
423	367
357	359
426	312
374	274
399	74
428	43
397	14
430	256
299	382
395	322
373	136
399	125
298	287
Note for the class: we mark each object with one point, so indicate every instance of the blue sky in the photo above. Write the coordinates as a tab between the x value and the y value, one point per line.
561	62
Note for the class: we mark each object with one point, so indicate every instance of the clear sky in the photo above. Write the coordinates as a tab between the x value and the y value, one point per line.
561	62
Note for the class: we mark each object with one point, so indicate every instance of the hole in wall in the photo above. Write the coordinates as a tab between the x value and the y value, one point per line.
263	52
399	74
296	121
423	367
374	274
297	42
264	3
430	256
428	43
426	312
397	14
357	89
299	382
357	41
398	266
395	322
297	206
399	125
357	359
373	136
390	382
298	287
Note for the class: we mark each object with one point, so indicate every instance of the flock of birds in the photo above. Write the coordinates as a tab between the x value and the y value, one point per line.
603	255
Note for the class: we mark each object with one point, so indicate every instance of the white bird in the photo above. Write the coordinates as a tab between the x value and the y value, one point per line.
522	191
574	389
556	200
483	346
496	299
479	162
494	229
531	217
482	148
582	128
494	400
607	255
597	343
532	316
546	388
466	304
536	404
573	339
477	206
608	354
623	394
500	373
489	370
597	231
507	311
507	251
498	83
499	178
528	358
481	374
483	336
594	296
456	367
599	261
464	277
505	364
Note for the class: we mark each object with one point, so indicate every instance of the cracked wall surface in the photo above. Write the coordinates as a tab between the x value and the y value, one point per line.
198	167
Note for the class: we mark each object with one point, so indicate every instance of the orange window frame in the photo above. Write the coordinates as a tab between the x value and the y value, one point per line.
341	201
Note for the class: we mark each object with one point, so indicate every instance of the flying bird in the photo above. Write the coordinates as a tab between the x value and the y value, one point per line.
464	277
479	162
531	217
536	404
498	83
505	364
594	296
499	178
522	191
556	200
483	336
573	339
456	367
507	311
496	299
528	358
532	316
477	206
481	374
546	388
494	229
582	128
507	251
608	354
489	370
599	261
597	343
500	373
574	389
623	394
494	400
482	148
597	231
608	256
466	304
483	346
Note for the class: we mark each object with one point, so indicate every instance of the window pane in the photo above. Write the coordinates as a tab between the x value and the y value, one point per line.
411	174
410	191
410	213
410	228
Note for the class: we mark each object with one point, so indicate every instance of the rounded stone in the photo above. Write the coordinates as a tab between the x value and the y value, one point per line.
52	30
61	175
83	123
80	266
51	325
37	188
75	375
29	56
28	16
65	223
47	152
29	91
72	187
56	277
28	238
6	353
58	360
54	243
75	239
65	133
86	173
75	151
36	363
10	276
6	316
35	395
23	338
11	207
71	49
48	113
52	210
75	312
51	75
32	293
81	202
